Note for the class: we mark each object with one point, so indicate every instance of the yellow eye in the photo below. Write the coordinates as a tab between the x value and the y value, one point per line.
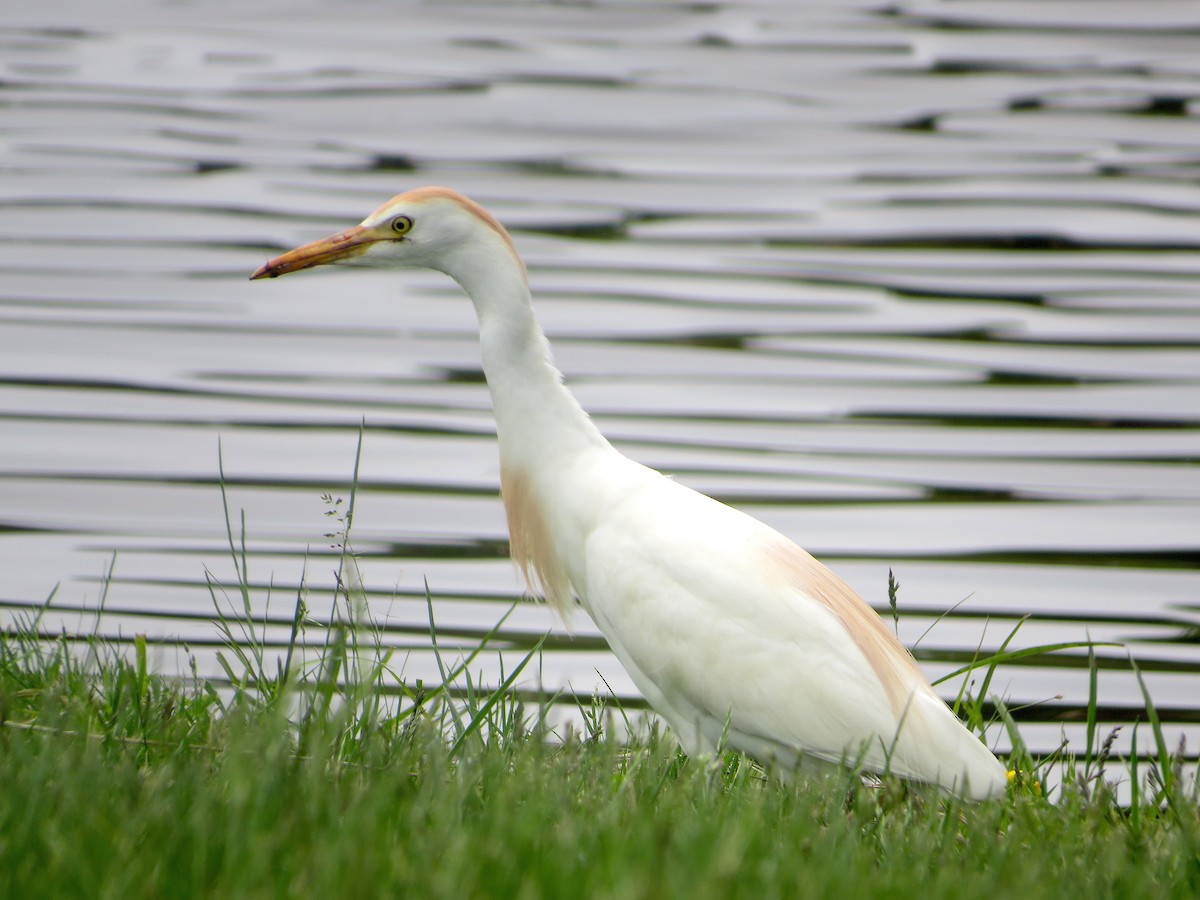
401	225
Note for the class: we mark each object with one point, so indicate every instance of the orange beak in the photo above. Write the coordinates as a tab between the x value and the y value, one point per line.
342	245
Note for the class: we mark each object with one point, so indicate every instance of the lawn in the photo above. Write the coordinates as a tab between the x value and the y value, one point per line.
315	781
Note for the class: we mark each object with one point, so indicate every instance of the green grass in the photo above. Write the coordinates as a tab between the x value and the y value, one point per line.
333	777
121	783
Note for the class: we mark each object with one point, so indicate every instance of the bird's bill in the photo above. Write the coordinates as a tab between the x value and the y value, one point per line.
342	245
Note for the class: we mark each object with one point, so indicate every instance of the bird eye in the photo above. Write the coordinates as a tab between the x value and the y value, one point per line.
401	225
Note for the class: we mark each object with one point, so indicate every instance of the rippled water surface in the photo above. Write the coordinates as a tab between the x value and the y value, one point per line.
917	284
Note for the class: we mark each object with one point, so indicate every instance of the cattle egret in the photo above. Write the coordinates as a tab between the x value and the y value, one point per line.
732	632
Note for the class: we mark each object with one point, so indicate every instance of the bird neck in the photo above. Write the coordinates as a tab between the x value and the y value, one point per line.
546	439
537	418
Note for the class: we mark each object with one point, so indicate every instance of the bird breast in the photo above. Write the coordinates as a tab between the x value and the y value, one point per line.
531	540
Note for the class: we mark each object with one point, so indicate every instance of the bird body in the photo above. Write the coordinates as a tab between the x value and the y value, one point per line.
730	630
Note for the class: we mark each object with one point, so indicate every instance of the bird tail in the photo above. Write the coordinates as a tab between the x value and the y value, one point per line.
934	746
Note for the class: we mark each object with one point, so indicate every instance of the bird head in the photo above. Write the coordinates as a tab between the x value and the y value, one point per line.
432	227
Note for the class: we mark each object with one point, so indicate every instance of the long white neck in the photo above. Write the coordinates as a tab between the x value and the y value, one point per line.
547	441
535	414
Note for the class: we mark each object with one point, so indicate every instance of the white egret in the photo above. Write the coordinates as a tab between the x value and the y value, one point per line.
730	630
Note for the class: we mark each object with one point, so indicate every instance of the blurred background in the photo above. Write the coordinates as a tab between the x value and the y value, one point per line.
916	283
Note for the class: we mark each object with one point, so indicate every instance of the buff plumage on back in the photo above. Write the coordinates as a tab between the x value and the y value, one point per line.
893	665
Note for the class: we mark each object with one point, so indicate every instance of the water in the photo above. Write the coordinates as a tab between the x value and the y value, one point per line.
916	285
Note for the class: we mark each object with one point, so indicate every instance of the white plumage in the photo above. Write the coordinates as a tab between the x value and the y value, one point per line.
727	627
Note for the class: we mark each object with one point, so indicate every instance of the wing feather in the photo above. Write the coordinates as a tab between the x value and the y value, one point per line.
732	630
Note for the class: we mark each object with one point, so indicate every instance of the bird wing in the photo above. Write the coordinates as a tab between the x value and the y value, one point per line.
733	632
